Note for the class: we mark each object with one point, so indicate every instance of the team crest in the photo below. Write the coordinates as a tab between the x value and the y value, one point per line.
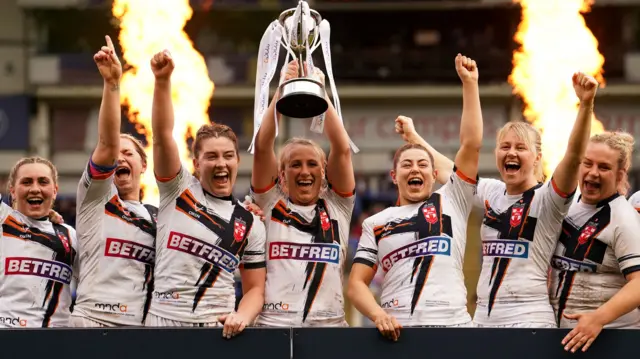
324	220
239	229
430	214
64	240
516	215
587	232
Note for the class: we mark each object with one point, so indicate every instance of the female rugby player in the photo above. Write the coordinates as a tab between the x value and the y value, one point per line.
307	221
38	257
523	217
420	243
204	233
595	281
116	231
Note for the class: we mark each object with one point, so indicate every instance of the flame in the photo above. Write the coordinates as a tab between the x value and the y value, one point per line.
555	42
147	27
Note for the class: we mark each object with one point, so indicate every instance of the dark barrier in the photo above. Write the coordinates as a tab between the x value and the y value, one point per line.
306	343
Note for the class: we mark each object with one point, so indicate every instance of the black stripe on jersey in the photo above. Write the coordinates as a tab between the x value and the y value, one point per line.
314	272
627	257
366	262
63	253
148	269
230	239
512	224
114	208
630	270
429	221
581	244
256	265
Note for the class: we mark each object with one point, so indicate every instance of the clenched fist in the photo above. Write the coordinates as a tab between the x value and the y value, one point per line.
585	86
466	68
108	63
162	65
405	128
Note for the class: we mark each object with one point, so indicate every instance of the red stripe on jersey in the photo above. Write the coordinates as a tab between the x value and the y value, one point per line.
465	178
558	191
99	174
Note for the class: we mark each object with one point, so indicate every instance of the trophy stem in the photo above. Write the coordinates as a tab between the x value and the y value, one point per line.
301	69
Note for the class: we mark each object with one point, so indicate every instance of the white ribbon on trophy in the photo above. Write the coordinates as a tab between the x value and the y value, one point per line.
276	35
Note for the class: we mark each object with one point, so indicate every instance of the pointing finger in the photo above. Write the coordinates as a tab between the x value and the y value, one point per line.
109	42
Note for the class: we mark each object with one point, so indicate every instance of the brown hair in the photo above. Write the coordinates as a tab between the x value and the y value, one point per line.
410	146
622	142
27	161
531	136
214	130
138	145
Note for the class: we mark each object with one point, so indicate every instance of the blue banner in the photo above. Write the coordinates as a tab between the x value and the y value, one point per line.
14	122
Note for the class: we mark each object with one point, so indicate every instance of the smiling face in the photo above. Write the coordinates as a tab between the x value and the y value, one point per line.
302	173
130	167
413	174
33	188
599	173
518	157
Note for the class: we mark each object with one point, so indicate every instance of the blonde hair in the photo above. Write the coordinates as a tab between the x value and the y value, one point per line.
27	161
622	142
138	145
531	136
285	154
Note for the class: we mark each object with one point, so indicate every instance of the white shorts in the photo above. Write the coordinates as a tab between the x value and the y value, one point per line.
155	321
519	325
84	322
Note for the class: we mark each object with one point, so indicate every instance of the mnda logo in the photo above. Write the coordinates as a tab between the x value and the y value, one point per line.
122	308
14	321
390	304
275	306
167	295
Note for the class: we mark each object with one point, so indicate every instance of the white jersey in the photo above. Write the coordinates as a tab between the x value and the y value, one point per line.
519	235
117	252
37	259
202	240
598	246
306	248
635	201
420	248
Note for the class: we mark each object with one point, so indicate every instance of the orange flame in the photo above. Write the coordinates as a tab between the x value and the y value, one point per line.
147	27
555	42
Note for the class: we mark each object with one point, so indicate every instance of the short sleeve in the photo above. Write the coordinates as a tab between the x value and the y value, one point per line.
254	253
626	245
461	189
96	184
5	210
367	252
485	187
266	197
344	205
634	200
170	188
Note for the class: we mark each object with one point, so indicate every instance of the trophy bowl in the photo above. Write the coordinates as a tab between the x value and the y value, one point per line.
302	97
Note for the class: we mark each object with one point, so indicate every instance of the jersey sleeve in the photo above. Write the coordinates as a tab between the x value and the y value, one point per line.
5	209
343	202
462	190
367	252
484	187
634	200
170	188
626	245
254	254
96	184
266	197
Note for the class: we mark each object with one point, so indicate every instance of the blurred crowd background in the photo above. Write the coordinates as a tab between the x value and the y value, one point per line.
390	57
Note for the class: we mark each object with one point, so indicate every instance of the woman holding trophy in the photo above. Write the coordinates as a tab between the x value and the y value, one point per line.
308	201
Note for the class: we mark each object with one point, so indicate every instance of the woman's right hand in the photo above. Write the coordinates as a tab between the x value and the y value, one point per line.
108	63
388	326
405	128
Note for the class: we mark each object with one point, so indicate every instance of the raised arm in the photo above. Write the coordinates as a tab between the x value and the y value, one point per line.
166	157
339	166
443	165
108	147
265	164
565	176
471	125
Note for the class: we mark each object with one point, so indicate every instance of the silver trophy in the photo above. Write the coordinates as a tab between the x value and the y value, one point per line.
302	97
299	31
